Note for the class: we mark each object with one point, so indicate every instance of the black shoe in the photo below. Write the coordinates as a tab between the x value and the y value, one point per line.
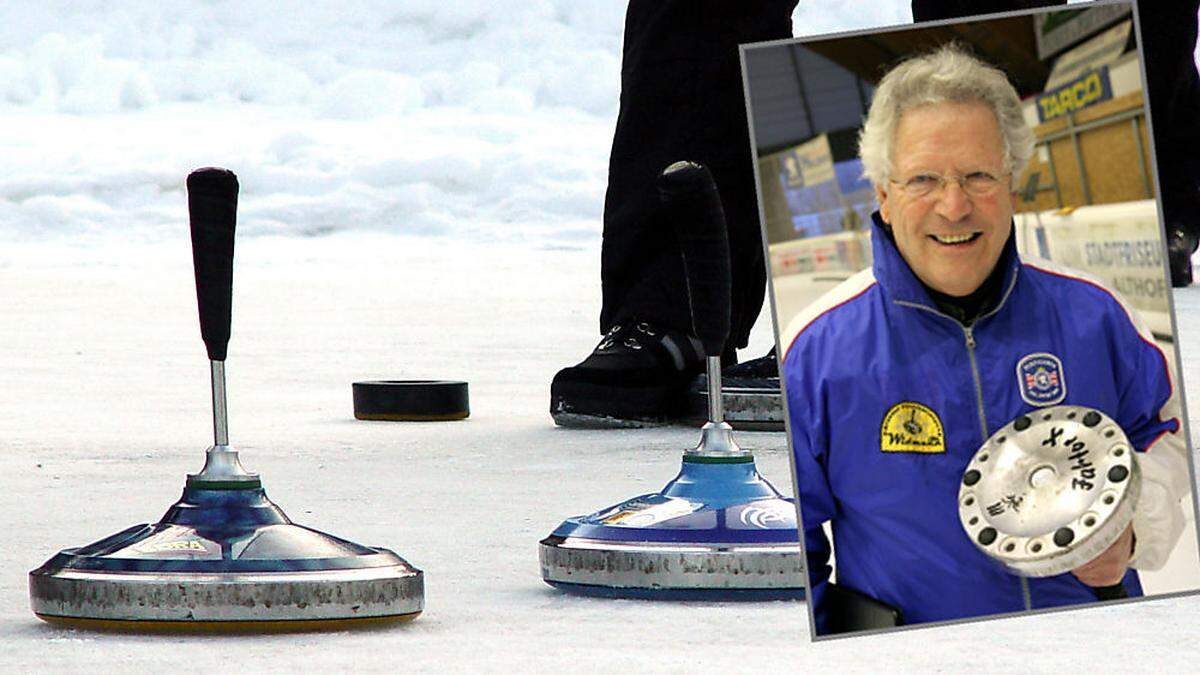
1180	246
749	395
637	376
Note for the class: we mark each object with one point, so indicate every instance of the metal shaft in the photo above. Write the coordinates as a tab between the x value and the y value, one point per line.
716	437
716	413
221	462
220	414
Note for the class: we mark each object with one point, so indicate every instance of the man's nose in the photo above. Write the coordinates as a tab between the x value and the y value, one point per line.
953	203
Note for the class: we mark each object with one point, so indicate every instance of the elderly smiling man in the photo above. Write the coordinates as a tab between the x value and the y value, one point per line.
935	333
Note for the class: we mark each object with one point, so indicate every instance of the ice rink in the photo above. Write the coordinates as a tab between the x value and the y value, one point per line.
106	408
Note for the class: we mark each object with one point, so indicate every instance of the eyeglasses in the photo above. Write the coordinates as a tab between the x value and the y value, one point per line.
975	184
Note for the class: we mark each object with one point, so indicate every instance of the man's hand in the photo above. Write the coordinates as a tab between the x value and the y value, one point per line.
1109	567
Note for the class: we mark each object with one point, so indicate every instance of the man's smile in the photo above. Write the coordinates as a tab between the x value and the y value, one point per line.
956	239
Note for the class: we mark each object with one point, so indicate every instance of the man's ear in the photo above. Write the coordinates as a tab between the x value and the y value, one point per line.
1015	199
882	198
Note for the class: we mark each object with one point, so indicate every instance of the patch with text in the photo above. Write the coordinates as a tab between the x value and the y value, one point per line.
909	426
1040	379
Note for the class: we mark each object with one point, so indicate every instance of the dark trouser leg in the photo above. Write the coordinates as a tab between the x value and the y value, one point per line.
932	10
681	98
1169	36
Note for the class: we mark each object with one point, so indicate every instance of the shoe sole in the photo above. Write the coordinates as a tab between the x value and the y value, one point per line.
582	406
746	409
581	421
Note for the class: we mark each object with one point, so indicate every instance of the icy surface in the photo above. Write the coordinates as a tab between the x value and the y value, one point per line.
106	406
422	189
107	398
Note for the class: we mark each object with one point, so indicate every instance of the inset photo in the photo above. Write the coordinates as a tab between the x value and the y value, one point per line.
972	294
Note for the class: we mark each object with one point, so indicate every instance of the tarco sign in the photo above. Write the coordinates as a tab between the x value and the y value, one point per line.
1088	89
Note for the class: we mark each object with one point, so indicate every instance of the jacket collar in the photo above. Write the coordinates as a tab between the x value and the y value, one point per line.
901	285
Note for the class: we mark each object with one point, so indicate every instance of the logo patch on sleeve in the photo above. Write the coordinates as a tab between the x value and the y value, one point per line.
909	426
1040	379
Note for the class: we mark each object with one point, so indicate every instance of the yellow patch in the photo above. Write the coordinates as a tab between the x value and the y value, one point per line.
911	427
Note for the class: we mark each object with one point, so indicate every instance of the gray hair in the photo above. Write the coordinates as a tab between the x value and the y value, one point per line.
949	74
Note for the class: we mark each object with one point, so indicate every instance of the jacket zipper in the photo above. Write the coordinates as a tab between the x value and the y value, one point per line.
967	331
969	335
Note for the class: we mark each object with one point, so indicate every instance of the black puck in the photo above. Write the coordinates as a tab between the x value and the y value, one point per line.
411	400
1118	474
971	477
1022	423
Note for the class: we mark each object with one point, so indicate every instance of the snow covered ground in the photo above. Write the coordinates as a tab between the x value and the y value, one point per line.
422	187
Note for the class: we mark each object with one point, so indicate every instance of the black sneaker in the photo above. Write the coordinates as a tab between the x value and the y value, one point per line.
749	395
637	376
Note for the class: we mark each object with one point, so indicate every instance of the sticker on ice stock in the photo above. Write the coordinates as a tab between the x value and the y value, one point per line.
1040	379
646	511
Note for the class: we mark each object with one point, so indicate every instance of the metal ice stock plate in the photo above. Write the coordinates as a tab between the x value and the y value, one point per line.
1050	491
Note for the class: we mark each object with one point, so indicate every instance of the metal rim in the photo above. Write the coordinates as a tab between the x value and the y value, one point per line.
241	597
205	627
671	565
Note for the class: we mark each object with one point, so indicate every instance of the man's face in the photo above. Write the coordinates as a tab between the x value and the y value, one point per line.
950	238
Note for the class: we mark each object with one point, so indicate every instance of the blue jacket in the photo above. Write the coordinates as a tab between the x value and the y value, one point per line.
876	351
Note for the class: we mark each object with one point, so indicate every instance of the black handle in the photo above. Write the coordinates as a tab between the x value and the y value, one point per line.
693	205
212	205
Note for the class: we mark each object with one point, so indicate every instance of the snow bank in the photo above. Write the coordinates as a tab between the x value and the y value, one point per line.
475	120
482	120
